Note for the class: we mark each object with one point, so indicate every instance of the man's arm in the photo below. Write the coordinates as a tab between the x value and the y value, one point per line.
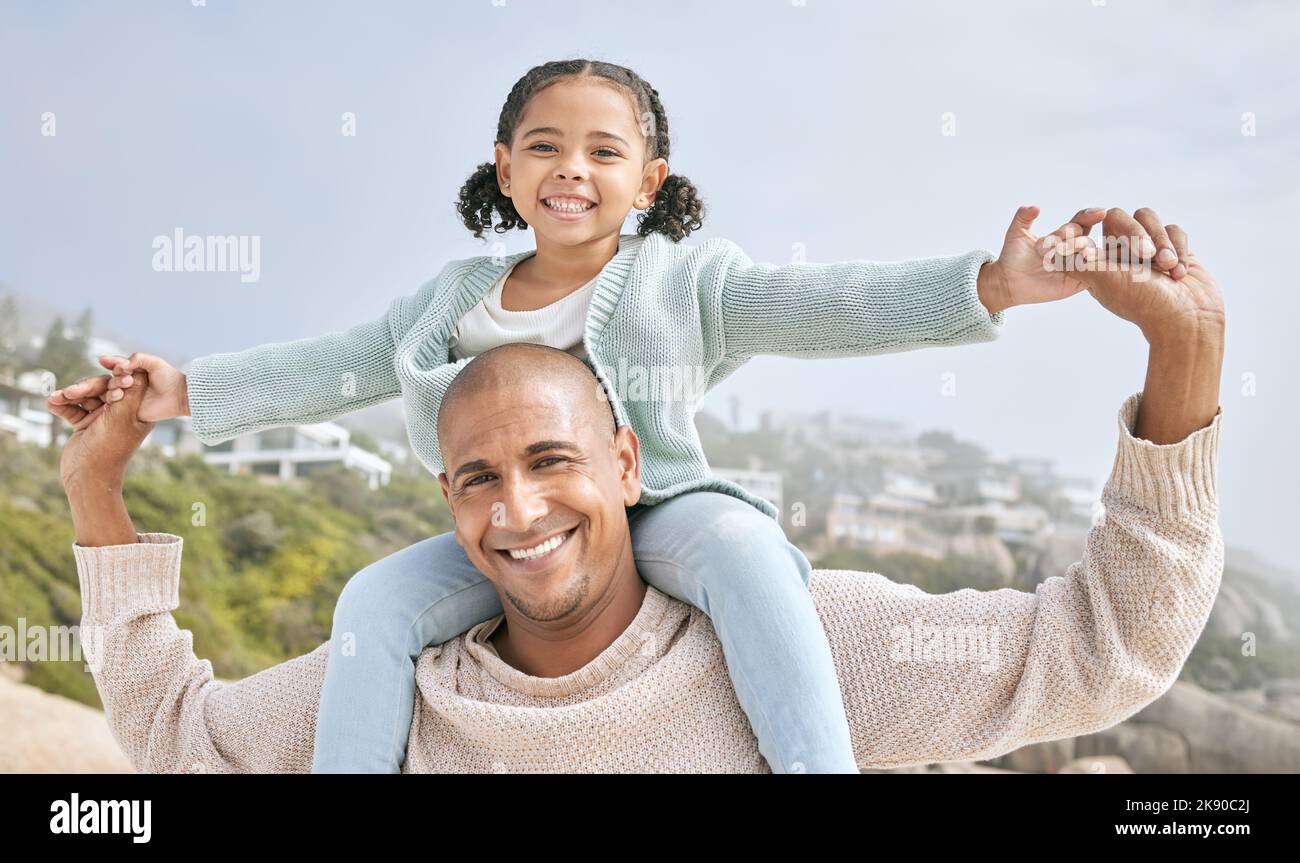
971	675
163	705
161	702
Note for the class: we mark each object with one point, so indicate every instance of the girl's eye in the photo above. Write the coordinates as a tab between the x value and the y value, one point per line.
601	150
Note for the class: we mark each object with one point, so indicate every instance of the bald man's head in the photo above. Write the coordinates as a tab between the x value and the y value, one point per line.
529	365
531	454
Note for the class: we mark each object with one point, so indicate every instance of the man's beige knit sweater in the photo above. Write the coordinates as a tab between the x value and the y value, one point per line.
926	678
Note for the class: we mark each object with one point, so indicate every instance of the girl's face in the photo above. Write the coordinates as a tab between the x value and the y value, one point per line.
578	145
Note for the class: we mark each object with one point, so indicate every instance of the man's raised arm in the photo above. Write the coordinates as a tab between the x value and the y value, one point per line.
162	704
971	675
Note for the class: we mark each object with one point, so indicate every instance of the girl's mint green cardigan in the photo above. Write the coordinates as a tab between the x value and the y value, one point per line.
667	322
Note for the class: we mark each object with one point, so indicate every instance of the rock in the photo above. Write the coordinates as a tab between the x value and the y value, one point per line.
1147	748
1277	698
970	767
1237	610
1047	757
1097	764
1223	737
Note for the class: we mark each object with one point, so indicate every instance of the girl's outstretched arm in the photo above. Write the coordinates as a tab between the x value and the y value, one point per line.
859	307
299	382
848	308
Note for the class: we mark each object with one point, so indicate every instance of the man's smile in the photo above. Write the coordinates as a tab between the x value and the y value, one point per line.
541	555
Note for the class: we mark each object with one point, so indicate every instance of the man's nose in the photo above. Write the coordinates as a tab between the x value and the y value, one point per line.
521	505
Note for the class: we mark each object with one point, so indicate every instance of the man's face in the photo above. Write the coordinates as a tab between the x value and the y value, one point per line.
574	154
538	493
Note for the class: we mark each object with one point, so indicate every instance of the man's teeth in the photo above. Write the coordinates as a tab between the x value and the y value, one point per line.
538	550
568	206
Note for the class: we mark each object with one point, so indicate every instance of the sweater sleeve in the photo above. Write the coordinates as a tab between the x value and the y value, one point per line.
971	675
303	381
162	704
848	308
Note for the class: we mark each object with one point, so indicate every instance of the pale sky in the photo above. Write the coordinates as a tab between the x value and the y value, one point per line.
817	124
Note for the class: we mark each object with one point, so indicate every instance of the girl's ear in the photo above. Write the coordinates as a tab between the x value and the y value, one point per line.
652	180
501	154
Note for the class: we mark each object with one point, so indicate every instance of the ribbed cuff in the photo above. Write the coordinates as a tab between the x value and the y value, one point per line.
975	261
202	376
143	576
1171	479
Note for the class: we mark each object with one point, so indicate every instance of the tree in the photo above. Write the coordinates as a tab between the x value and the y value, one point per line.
64	355
81	330
9	334
364	441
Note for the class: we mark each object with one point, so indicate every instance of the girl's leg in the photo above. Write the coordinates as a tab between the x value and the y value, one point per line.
387	613
734	563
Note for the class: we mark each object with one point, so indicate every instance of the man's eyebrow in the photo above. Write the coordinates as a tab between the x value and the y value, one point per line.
532	449
551	130
546	445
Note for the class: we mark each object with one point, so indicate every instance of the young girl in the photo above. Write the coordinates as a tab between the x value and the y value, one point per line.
579	145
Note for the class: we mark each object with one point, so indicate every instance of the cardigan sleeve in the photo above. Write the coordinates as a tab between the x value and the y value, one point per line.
162	704
971	675
848	308
302	381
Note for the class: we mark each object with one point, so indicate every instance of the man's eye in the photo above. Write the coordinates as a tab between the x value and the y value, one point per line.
543	462
474	480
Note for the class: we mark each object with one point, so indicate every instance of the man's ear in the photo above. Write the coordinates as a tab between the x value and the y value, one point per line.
627	456
446	495
451	507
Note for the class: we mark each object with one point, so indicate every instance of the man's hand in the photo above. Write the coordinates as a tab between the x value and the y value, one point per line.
1157	303
104	437
1025	272
1183	322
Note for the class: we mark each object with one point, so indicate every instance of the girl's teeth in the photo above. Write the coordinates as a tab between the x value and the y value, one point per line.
538	550
568	207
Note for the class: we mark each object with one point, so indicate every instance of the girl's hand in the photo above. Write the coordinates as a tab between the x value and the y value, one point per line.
1030	269
167	396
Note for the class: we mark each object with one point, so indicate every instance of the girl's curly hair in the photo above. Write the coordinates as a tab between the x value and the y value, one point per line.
677	209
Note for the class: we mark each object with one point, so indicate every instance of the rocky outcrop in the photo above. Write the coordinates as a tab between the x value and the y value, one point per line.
1187	730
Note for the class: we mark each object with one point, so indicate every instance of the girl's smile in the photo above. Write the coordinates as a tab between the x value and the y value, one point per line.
567	209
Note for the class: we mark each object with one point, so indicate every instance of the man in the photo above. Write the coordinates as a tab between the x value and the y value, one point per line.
591	669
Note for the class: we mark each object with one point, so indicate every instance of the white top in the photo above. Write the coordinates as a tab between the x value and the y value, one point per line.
487	324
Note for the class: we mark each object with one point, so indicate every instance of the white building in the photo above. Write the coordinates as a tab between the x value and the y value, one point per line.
764	483
285	452
22	406
881	522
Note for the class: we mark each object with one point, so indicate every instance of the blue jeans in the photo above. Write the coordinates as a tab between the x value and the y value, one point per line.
712	550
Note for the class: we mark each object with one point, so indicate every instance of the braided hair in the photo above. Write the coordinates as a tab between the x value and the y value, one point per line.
677	209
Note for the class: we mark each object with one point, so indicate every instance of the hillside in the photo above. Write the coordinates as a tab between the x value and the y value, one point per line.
264	563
